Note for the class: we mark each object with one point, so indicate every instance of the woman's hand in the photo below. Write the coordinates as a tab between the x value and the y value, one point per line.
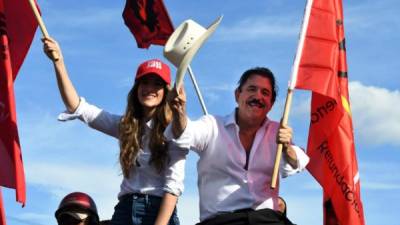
177	101
51	49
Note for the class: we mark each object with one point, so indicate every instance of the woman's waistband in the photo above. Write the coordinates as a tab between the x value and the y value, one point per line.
138	196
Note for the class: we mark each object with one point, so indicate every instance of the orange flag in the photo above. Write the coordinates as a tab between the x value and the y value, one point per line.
323	70
17	28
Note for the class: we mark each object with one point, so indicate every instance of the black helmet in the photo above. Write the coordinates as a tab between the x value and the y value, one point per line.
79	201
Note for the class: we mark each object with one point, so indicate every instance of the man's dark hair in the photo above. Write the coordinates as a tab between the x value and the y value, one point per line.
261	71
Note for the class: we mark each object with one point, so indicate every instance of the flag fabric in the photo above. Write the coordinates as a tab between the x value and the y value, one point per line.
149	22
323	70
21	27
17	28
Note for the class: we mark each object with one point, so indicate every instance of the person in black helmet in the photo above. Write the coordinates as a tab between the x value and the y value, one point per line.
77	208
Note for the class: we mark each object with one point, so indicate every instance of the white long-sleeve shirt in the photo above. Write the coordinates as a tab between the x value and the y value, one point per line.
224	185
144	178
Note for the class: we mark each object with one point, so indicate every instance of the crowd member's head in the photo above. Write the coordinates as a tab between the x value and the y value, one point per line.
255	94
77	208
146	101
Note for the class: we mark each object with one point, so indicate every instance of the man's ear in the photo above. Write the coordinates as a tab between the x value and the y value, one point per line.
237	92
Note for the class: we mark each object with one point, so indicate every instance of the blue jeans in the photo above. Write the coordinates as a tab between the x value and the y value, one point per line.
139	209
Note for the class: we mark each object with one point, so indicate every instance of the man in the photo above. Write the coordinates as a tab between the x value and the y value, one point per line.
237	154
77	208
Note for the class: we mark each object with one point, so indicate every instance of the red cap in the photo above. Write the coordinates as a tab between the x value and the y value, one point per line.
154	66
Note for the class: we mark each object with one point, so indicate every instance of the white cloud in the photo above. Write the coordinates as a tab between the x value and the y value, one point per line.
72	176
259	28
376	113
83	18
101	182
300	105
32	218
212	97
72	23
188	209
358	20
58	160
378	175
304	209
214	94
376	186
43	137
382	168
220	87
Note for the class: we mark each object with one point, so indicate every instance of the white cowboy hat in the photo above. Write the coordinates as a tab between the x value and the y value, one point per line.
183	44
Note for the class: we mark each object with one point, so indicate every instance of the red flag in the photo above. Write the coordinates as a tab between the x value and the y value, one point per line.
149	22
17	28
323	70
2	213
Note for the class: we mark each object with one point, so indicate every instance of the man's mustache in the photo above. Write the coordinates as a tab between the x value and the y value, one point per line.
256	102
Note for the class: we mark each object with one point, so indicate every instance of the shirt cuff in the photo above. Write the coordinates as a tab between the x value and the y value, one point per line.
302	161
302	158
66	115
184	140
175	192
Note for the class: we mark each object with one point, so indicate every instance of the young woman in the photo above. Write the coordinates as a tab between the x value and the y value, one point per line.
153	169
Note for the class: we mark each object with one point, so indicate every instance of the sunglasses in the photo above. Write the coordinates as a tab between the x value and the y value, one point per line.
69	220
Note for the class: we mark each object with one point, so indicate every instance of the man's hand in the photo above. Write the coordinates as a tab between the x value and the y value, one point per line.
284	137
285	134
177	101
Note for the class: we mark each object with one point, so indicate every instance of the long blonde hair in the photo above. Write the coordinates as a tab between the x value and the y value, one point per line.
131	131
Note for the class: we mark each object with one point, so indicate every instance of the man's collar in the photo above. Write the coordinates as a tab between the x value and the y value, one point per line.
231	119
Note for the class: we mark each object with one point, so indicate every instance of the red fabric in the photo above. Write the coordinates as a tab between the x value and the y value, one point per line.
17	28
2	213
149	22
21	27
323	70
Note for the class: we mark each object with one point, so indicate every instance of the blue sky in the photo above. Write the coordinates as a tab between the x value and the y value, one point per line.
101	57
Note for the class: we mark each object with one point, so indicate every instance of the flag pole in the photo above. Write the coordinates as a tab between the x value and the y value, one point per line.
292	84
196	87
54	55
